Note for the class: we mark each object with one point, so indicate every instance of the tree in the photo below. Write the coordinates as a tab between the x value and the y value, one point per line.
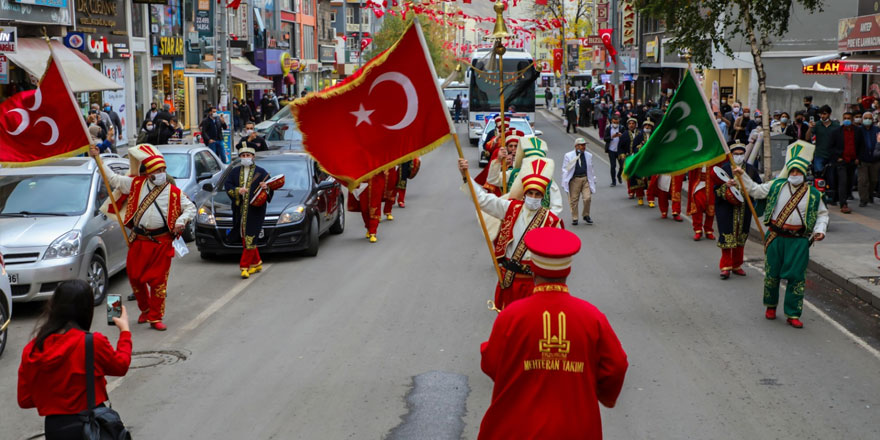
576	19
700	26
392	30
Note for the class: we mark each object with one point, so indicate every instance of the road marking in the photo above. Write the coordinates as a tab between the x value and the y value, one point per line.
201	318
858	340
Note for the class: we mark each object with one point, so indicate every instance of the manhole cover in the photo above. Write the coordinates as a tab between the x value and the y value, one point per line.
146	359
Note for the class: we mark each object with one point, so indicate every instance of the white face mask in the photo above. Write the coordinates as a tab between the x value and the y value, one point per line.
739	159
247	161
158	179
795	180
533	203
249	131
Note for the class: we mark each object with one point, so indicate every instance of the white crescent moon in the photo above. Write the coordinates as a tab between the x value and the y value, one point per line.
412	99
685	108
699	137
38	99
25	120
51	125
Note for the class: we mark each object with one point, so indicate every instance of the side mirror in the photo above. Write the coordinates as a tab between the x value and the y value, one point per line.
203	176
539	133
327	184
208	187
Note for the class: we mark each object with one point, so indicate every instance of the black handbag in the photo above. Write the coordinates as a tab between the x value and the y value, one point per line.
101	423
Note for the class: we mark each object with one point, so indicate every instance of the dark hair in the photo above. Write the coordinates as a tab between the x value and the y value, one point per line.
846	113
825	109
808	98
72	305
785	114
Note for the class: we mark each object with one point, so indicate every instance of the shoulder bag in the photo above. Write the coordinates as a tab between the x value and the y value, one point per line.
101	423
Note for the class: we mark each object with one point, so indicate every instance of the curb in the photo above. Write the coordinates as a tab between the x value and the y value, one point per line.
853	286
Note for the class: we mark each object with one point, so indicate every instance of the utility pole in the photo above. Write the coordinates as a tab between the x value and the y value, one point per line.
615	42
221	48
564	56
361	34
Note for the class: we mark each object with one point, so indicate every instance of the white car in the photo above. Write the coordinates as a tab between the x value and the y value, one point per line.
520	124
5	304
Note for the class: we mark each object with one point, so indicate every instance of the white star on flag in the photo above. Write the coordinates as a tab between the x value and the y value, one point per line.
362	115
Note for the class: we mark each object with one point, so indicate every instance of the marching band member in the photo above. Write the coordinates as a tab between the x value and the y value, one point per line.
242	184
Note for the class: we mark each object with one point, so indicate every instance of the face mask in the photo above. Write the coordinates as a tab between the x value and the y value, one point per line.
149	128
847	122
647	131
739	159
867	122
247	161
158	178
533	203
857	120
724	101
807	104
784	120
746	115
736	109
795	180
106	109
249	132
799	120
824	118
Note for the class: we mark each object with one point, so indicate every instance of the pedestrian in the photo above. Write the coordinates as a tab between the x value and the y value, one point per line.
579	180
571	115
103	118
796	217
733	215
51	375
151	114
725	107
245	114
812	112
103	145
148	134
268	105
731	117
518	216
212	132
636	185
667	188
389	196
157	212
176	132
848	141
822	130
741	127
869	160
583	111
116	122
236	116
721	124
800	126
613	133
242	184
168	105
630	142
456	108
548	97
553	357
257	142
775	121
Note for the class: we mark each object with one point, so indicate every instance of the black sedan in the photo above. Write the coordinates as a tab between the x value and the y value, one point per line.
309	205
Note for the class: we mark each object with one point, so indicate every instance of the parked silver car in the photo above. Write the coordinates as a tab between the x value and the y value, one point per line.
5	304
51	228
190	165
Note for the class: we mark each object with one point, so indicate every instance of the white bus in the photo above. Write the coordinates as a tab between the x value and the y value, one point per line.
483	95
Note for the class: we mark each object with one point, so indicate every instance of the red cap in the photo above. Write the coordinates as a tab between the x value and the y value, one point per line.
552	250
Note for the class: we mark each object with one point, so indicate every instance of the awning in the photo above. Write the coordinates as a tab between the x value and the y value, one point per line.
253	81
244	64
33	57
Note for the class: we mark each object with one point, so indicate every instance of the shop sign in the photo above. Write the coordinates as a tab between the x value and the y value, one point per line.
150	2
155	65
652	50
167	46
865	67
14	11
115	70
46	3
628	37
827	68
601	11
327	54
858	34
103	25
4	69
592	40
8	40
726	91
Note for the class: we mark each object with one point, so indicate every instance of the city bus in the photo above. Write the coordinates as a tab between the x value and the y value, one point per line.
483	95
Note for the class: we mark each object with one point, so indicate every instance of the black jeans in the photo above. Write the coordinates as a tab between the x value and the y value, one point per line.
845	180
616	167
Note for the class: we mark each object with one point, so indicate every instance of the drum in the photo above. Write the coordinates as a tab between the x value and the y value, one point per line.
721	174
733	196
260	198
414	169
275	183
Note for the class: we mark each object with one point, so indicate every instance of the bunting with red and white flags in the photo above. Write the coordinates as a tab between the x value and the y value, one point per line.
38	126
387	113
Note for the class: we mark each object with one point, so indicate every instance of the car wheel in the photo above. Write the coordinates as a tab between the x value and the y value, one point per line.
339	225
98	278
189	234
4	315
314	236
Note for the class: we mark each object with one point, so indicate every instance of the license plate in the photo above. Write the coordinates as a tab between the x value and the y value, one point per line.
262	233
13	278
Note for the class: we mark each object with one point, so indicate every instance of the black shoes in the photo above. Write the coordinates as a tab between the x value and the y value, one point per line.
863	204
587	219
574	222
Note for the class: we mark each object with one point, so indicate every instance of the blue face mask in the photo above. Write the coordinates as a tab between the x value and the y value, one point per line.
847	122
106	109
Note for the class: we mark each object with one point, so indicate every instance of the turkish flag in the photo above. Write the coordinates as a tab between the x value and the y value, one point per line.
605	34
386	113
40	125
234	4
557	60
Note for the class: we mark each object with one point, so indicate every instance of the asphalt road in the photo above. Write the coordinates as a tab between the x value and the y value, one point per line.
370	341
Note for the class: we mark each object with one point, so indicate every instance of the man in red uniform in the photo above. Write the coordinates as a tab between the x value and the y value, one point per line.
665	188
553	357
367	199
701	202
156	211
518	216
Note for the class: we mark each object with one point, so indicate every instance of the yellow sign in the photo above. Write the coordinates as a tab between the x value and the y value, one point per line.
285	63
170	46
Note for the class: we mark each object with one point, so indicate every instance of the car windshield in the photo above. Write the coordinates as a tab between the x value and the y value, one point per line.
50	194
281	114
290	134
450	94
177	165
518	124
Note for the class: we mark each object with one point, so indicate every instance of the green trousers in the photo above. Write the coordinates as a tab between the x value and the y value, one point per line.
787	259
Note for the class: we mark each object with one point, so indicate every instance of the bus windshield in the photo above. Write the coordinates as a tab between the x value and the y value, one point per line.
519	94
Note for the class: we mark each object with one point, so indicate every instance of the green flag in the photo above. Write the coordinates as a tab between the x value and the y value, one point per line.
686	138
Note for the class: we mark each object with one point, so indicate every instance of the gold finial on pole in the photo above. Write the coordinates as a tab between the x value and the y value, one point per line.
500	30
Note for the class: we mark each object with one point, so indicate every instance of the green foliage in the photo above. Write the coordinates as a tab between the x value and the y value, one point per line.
699	25
392	30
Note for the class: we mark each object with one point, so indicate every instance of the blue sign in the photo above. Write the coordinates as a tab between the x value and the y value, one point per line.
75	40
49	3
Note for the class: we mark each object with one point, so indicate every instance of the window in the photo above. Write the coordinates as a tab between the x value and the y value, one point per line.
308	7
137	20
297	38
289	5
349	16
333	17
309	42
365	17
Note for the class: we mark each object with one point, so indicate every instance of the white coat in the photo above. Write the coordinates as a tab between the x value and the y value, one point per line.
568	165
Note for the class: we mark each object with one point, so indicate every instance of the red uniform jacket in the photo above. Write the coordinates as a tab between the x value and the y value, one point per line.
553	358
54	380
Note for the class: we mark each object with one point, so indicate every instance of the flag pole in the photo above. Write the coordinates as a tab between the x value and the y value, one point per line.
470	184
742	185
100	163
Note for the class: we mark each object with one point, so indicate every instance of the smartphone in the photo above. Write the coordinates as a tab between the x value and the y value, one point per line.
812	119
114	308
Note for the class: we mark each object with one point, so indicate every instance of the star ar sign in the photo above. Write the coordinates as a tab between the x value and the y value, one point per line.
412	101
25	119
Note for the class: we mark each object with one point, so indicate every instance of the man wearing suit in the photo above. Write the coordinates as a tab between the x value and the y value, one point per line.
613	134
630	143
578	179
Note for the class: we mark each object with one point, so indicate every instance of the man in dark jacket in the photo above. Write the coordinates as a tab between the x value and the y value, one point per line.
847	142
571	115
212	131
613	134
869	162
267	105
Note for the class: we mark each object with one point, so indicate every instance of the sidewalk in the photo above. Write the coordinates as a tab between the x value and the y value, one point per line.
845	257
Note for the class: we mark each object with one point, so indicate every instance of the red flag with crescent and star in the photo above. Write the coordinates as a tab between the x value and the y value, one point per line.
37	126
387	113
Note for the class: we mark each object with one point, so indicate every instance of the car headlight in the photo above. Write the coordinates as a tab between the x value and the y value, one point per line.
64	246
205	216
292	215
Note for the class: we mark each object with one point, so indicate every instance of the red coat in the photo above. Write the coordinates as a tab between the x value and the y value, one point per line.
553	358
54	381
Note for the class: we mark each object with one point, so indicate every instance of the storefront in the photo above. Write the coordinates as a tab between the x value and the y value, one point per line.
860	41
169	84
327	57
32	57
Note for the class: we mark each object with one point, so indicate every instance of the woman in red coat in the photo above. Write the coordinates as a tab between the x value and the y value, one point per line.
52	378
